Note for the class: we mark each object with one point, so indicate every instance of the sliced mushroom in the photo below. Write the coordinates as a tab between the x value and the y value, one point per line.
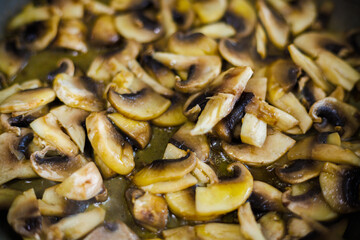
65	65
7	196
218	231
195	104
298	228
265	197
173	116
106	172
309	93
340	187
214	199
299	171
27	100
24	215
149	210
184	232
261	41
138	131
78	92
11	58
104	31
275	25
72	35
216	30
52	204
353	146
138	26
29	14
237	51
253	130
272	226
69	9
248	225
305	199
112	231
108	144
275	146
143	105
201	69
98	8
210	11
330	114
123	5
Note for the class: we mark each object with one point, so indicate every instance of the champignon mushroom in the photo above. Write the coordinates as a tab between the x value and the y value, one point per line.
272	226
214	199
261	41
218	231
237	51
104	31
248	225
265	197
98	8
340	187
309	93
65	65
195	104
126	5
112	231
72	35
24	215
186	232
173	116
108	144
11	58
253	130
104	169
7	196
69	9
210	11
330	114
216	30
299	171
298	228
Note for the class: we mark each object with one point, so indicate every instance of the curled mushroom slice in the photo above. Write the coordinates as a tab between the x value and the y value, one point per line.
340	187
138	26
248	225
330	114
11	58
275	146
104	31
337	71
236	51
142	105
265	197
108	144
305	199
78	92
24	215
165	169
216	30
218	231
201	69
27	100
299	171
83	184
214	199
210	11
192	44
72	35
112	231
276	26
272	226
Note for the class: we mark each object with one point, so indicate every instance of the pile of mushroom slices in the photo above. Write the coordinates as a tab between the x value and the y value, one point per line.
225	73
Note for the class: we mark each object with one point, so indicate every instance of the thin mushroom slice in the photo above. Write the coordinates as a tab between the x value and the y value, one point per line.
248	225
15	88
330	114
126	5
112	231
65	65
265	197
11	58
237	51
298	228
272	226
173	116
275	26
26	100
72	34
51	203
218	231
299	171
104	31
83	184
214	199
78	92
138	26
142	105
306	200
261	41
210	11
275	146
216	30
184	232
108	144
340	187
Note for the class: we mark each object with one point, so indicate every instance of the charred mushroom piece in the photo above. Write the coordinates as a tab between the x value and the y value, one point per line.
138	26
216	30
104	31
218	231
282	74
142	105
112	231
210	11
299	171
72	35
24	215
330	114
108	144
11	58
214	199
237	51
340	187
65	65
272	226
248	225
78	92
265	197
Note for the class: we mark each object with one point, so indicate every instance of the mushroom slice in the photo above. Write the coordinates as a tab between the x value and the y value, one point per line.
182	204
112	231
72	35
15	88
253	130
353	146
272	226
218	231
173	116
185	232
337	71
192	44
330	114
11	58
298	228
70	9
195	104
275	146
7	196
236	51
138	131
309	93
52	204
216	30
26	100
248	226
309	66
214	199
83	184
98	8
306	200
265	197
198	144
76	226
108	144
142	105
138	26
165	170
24	215
49	129
201	69
104	31
299	171
210	11
148	209
71	119
276	26
104	169
125	5
340	187
29	14
261	41
65	65
78	92
221	103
